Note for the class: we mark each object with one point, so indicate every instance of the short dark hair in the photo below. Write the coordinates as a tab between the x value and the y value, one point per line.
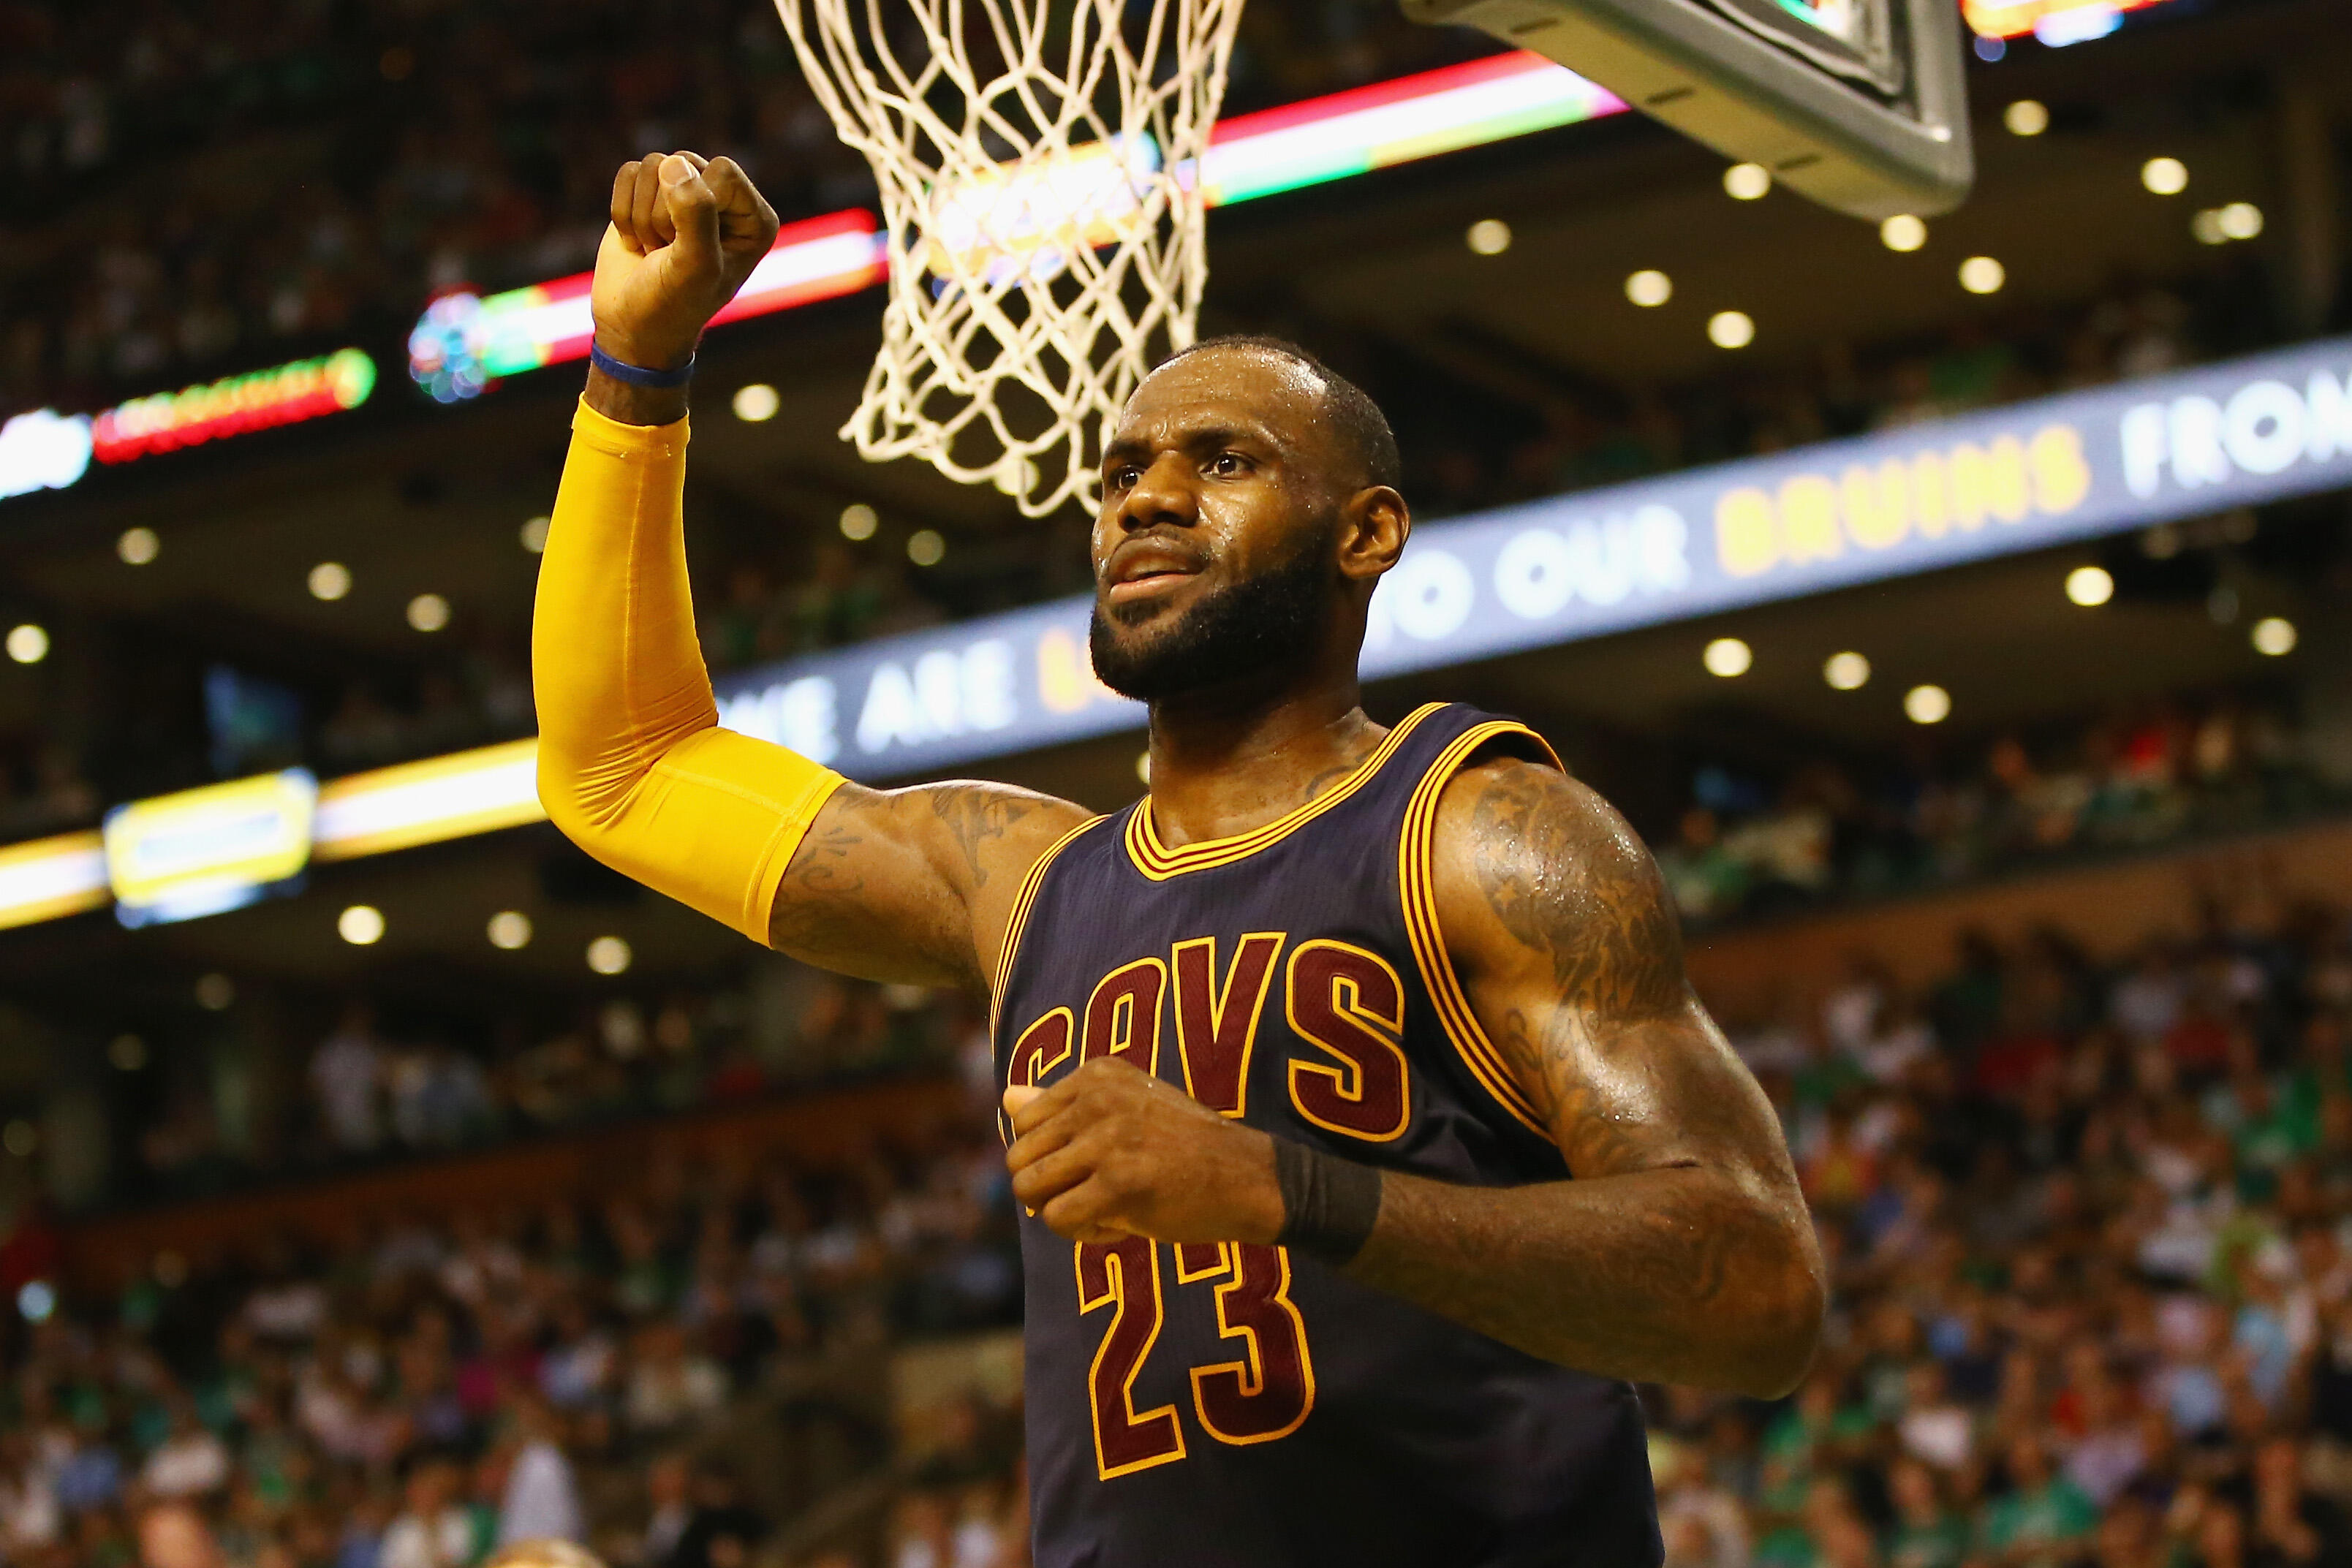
1361	428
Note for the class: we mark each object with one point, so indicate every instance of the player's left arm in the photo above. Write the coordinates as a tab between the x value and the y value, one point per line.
1681	1251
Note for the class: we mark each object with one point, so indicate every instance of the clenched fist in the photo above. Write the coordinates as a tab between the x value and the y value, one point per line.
686	232
1111	1151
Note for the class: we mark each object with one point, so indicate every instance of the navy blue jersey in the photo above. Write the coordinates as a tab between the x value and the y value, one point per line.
1242	1405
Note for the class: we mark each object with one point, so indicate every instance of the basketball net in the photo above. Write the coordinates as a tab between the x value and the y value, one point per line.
1035	160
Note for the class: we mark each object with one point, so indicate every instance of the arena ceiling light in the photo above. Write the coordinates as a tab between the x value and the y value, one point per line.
329	580
429	612
2274	636
1903	232
2026	117
1982	275
1728	657
1847	672
2090	586
756	403
138	547
1926	704
1648	288
465	342
2219	226
1488	236
1747	181
28	643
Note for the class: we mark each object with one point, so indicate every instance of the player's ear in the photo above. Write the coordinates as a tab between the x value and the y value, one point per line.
1374	524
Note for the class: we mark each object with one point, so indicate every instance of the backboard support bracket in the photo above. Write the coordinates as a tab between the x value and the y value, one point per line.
1680	61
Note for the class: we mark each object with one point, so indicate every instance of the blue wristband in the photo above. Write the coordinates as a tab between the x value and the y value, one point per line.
637	375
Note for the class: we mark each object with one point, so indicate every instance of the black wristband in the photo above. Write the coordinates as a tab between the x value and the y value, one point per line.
637	375
1328	1205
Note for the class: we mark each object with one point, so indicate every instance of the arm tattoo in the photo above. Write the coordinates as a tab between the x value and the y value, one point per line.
972	812
1577	886
1579	898
820	888
1681	1251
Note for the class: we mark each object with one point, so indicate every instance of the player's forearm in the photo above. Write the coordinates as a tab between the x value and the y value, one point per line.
632	766
1670	1276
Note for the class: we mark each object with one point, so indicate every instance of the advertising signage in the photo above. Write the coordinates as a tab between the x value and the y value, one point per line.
2025	477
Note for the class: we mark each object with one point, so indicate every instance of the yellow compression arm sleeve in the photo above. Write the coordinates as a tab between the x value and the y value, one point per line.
632	763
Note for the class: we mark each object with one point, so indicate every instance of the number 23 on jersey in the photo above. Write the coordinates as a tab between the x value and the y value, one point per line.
1262	1395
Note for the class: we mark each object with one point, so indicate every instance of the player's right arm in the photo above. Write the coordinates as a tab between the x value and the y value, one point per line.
912	885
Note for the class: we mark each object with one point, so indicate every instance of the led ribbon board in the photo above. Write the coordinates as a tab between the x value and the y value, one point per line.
1392	122
46	450
200	852
259	399
462	343
43	450
2056	21
423	803
49	878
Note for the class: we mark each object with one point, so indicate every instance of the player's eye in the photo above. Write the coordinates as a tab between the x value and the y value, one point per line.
1121	478
1229	465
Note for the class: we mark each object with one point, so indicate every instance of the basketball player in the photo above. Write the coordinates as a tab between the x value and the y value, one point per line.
1370	1141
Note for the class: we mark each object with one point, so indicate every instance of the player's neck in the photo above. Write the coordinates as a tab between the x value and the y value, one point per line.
1229	762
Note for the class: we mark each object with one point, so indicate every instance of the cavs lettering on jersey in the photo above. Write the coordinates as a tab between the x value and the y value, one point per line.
1240	1405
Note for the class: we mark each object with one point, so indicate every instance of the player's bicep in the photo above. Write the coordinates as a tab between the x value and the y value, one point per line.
909	884
1571	953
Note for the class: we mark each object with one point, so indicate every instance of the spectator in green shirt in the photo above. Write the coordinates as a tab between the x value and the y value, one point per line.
1927	1533
2043	1519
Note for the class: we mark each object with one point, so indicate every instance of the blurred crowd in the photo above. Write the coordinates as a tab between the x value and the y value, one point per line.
234	1097
2091	1233
203	187
2089	1224
634	1374
1750	843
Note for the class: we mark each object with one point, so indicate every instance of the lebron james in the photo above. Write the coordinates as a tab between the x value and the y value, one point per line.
1371	1141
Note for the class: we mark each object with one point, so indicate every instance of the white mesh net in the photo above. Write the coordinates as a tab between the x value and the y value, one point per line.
1035	159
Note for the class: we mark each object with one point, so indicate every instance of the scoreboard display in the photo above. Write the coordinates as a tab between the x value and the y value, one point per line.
1859	104
1850	38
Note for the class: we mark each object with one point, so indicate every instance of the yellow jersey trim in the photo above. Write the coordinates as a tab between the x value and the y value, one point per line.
1416	876
1159	862
1022	902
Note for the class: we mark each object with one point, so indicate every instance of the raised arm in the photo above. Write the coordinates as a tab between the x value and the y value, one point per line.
910	884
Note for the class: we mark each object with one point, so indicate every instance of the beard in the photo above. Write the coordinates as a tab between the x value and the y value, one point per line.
1272	621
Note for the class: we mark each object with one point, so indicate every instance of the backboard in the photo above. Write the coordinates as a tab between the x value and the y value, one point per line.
1858	104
